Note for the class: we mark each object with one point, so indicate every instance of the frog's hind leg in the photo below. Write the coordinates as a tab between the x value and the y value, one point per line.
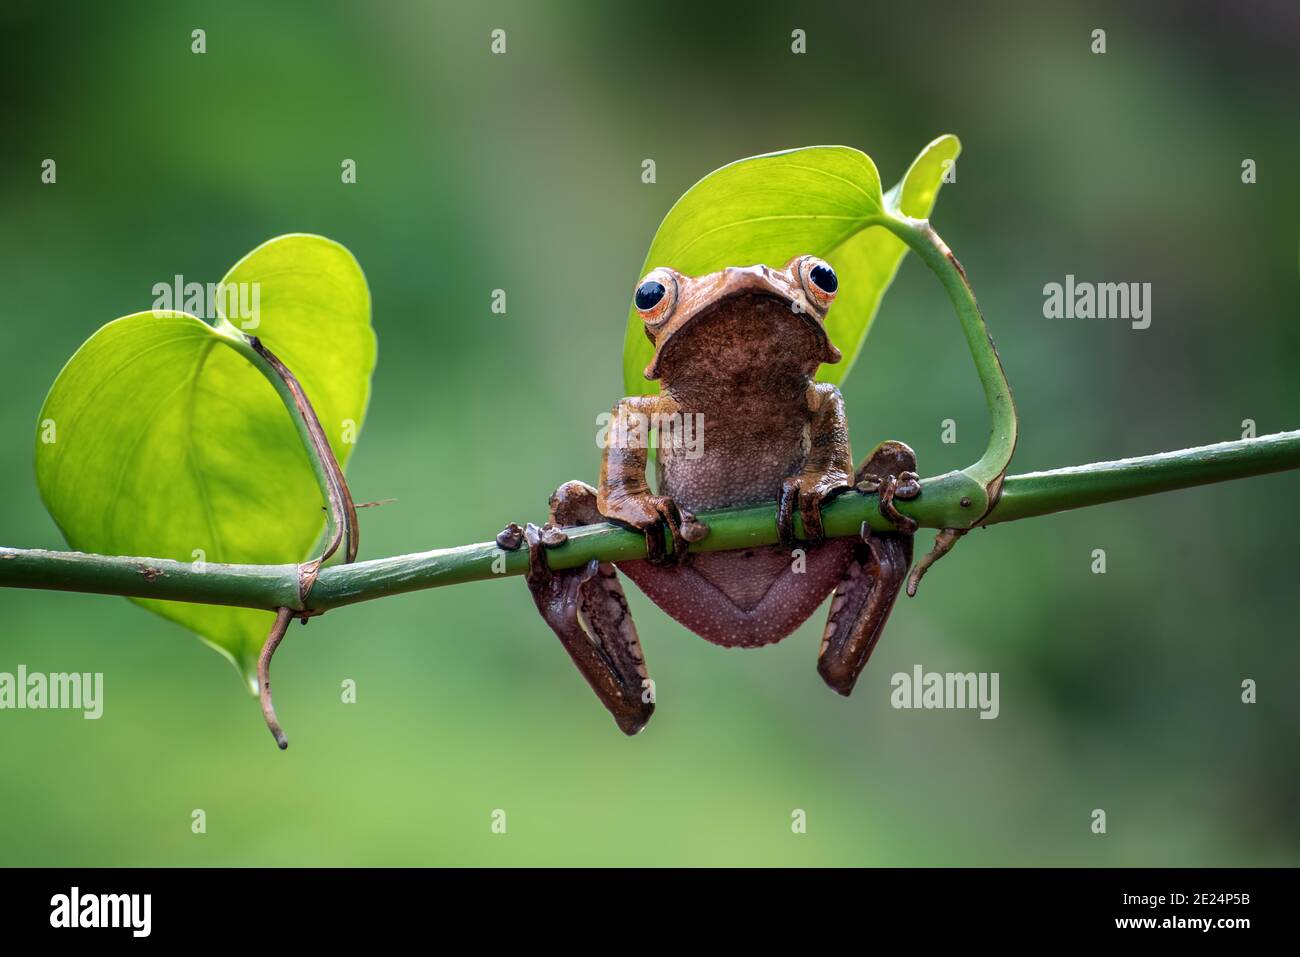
588	612
871	583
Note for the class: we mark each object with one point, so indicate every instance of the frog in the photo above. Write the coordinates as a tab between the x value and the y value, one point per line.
736	351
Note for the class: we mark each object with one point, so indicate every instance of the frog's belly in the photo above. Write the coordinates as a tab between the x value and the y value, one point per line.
735	467
744	598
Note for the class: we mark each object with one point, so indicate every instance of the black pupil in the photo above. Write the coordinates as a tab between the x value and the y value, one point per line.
648	294
824	278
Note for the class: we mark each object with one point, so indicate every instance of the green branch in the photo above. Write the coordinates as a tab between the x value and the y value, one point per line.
934	252
939	506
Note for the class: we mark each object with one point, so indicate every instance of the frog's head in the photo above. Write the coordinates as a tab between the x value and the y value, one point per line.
727	311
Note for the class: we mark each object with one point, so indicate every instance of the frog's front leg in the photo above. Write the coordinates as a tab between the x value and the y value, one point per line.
625	497
827	469
871	582
587	610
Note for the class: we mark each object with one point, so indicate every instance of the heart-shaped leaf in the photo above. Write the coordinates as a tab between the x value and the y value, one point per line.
822	200
159	438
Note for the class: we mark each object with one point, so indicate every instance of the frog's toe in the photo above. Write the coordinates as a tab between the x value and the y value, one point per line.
510	537
785	505
693	530
656	545
677	521
810	510
682	526
539	540
889	473
909	485
539	569
795	494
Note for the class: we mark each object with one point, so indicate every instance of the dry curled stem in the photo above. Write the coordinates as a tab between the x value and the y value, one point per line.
282	618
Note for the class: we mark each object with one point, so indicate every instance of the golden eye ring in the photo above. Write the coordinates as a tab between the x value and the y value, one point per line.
820	284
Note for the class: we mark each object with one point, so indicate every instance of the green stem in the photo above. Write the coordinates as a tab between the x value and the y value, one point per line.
934	252
1041	493
276	586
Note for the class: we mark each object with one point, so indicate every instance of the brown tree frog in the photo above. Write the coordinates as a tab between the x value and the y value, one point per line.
739	348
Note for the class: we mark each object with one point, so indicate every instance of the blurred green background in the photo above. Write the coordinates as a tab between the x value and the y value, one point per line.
1118	691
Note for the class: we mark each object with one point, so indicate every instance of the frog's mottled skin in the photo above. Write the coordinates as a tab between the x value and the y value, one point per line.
739	347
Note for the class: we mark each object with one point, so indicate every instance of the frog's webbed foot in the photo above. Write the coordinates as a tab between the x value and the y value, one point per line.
906	484
890	472
650	514
871	583
588	612
510	537
807	495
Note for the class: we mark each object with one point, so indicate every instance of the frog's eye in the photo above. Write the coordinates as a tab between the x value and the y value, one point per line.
655	296
819	280
649	293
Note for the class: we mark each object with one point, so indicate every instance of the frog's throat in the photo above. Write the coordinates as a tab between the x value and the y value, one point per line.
815	321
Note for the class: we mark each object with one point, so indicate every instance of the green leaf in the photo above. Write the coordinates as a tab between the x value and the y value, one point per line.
822	200
167	442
